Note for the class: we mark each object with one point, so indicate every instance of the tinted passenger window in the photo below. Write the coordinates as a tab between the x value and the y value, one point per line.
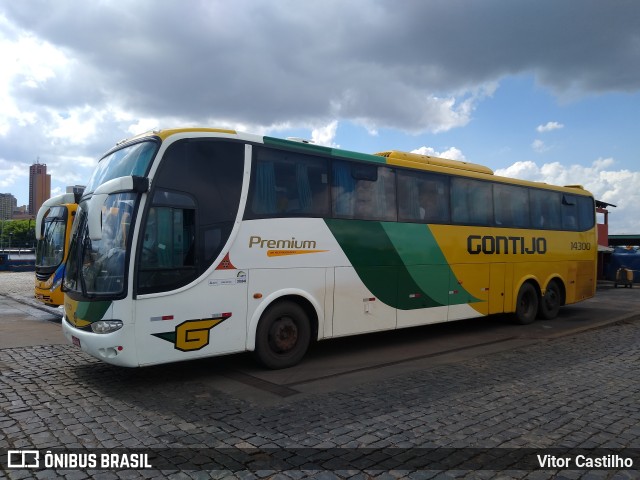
366	192
471	201
586	213
423	197
511	206
286	184
569	212
546	209
167	260
195	200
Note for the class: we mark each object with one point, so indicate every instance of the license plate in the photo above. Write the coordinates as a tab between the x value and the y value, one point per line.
75	340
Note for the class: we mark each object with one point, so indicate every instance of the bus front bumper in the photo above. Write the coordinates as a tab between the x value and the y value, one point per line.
116	348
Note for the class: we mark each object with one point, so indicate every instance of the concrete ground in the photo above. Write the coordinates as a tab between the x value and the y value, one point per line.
25	321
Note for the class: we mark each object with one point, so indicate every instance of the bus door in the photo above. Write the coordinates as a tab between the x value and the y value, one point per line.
181	313
497	284
207	319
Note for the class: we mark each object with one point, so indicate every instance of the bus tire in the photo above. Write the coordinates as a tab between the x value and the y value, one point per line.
550	302
526	304
283	335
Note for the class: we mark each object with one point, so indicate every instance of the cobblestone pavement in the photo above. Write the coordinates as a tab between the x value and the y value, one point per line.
580	392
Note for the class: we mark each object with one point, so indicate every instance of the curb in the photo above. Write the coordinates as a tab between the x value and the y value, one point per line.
58	312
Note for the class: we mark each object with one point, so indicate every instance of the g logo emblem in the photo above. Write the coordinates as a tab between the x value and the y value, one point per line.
194	334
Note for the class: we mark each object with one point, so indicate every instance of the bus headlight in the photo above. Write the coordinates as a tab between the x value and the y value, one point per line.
106	326
55	285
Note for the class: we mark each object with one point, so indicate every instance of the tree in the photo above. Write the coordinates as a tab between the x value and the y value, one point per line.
17	233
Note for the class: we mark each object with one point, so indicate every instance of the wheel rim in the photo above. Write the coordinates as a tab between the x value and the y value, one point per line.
283	335
551	298
526	304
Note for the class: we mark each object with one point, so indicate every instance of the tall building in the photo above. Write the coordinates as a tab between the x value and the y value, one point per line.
8	204
39	186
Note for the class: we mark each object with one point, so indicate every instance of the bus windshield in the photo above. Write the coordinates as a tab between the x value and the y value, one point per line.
131	160
50	250
97	267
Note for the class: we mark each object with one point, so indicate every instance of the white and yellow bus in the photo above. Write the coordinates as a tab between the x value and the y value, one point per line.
191	243
53	233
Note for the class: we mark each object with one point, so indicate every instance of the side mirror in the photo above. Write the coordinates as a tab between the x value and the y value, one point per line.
46	206
116	185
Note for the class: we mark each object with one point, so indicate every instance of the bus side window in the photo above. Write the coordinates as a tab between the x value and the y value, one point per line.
423	197
586	213
364	192
569	212
288	184
167	259
545	209
471	201
511	206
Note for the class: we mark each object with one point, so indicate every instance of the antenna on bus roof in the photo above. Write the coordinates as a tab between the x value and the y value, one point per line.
298	139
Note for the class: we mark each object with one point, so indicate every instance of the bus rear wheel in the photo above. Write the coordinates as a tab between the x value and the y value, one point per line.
550	302
283	335
526	304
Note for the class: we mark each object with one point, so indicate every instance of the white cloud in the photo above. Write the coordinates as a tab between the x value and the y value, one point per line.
142	125
71	170
618	187
325	135
549	126
539	146
452	153
78	125
10	173
27	62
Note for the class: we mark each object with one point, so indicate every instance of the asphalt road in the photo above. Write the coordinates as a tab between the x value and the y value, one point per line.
377	406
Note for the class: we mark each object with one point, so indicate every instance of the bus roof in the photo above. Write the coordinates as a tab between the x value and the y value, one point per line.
411	159
391	157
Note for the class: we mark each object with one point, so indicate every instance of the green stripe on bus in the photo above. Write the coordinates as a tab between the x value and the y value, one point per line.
401	264
92	311
168	336
422	258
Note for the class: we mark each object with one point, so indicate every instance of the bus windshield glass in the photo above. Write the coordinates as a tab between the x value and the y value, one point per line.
131	160
97	267
50	250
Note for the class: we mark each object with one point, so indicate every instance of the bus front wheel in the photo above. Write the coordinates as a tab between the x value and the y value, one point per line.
283	335
526	304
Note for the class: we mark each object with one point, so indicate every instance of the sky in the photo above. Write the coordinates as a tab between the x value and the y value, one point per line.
541	90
